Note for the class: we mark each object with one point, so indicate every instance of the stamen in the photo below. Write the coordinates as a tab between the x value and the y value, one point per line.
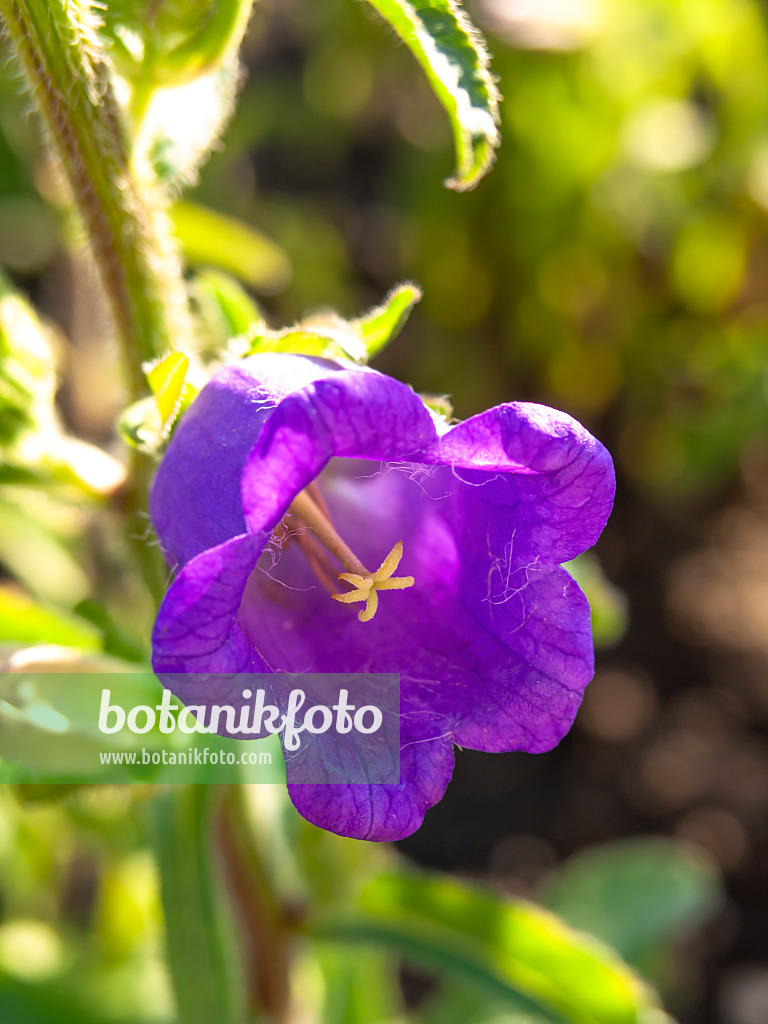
366	584
304	507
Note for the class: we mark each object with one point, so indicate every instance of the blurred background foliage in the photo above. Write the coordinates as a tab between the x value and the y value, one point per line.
614	264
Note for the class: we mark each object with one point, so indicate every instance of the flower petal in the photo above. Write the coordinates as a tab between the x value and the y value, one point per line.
195	501
379	812
356	414
197	629
535	482
497	675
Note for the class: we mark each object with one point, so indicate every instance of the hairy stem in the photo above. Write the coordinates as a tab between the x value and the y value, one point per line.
63	61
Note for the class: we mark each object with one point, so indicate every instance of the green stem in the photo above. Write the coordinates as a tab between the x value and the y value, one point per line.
128	228
127	224
264	922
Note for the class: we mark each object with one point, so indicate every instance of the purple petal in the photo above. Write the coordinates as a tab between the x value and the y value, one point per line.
357	414
506	671
536	484
196	628
195	501
385	813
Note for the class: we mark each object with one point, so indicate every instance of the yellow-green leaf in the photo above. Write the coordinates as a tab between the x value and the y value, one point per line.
166	379
212	239
506	948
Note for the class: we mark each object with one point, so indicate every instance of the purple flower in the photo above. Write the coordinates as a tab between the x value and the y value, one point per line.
283	458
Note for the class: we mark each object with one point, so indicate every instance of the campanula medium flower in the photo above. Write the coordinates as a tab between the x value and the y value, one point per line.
322	519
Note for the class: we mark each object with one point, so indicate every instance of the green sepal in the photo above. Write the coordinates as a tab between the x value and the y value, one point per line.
382	324
147	424
331	337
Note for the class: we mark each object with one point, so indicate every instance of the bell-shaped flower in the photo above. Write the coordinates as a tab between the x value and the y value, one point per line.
321	518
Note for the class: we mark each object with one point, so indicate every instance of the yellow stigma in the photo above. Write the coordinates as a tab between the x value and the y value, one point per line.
369	584
309	509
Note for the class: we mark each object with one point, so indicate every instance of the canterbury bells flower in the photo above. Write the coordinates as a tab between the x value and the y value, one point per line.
323	519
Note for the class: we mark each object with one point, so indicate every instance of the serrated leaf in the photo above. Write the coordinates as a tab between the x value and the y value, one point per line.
635	895
457	64
212	239
506	948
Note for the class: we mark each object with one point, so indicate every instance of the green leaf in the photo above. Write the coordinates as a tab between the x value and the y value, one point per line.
212	239
39	558
223	300
635	895
456	1003
34	448
49	712
27	369
174	41
455	59
357	990
201	946
507	948
178	144
24	621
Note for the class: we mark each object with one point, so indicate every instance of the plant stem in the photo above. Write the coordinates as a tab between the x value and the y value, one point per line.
264	924
64	63
127	224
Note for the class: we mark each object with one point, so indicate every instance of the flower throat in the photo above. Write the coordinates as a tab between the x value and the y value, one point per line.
309	509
